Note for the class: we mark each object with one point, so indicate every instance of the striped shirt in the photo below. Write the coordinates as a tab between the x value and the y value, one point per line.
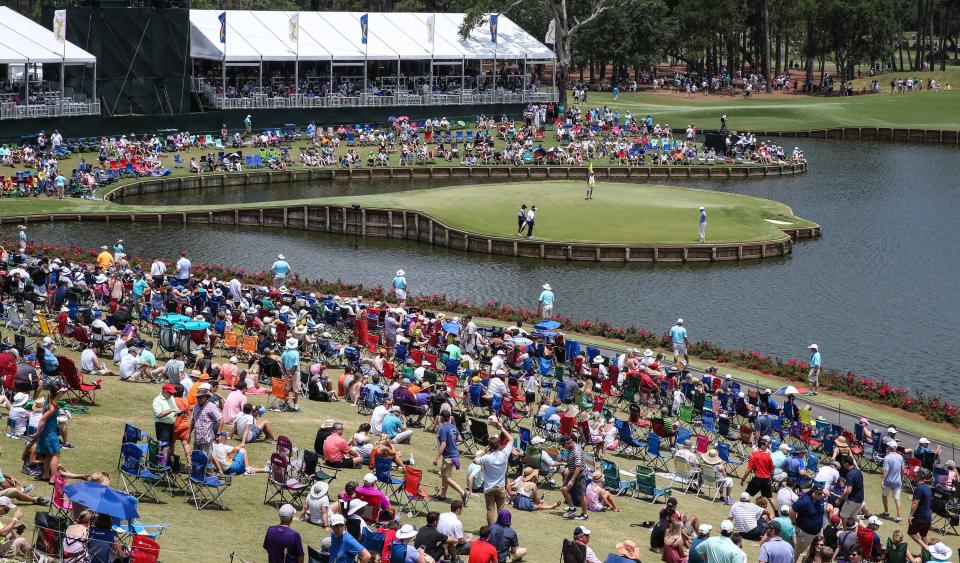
575	458
745	516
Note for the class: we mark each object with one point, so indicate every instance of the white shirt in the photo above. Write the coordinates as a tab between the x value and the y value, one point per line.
450	525
119	347
128	365
100	325
828	475
158	268
376	419
240	423
88	360
785	497
496	363
19	417
235	289
315	509
183	268
498	388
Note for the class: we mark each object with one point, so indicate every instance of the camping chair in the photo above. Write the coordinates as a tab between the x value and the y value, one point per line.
387	482
144	550
629	445
647	484
477	438
711	480
47	537
138	480
60	506
612	480
723	451
946	513
653	453
282	487
685	415
572	552
312	470
372	541
510	416
683	474
161	461
417	497
77	390
204	489
277	400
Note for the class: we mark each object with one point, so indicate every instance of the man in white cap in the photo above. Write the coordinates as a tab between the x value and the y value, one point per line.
283	543
890	441
721	549
545	302
678	335
813	376
703	534
703	225
280	270
400	287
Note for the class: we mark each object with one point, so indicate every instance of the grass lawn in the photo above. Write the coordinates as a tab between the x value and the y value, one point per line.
213	535
788	112
619	212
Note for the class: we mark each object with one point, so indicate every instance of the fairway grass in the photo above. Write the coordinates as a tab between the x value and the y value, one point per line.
618	213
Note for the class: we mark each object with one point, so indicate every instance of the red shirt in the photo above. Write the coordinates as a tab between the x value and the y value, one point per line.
482	552
761	463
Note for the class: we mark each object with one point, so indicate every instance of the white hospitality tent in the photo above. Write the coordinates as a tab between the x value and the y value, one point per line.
256	37
25	42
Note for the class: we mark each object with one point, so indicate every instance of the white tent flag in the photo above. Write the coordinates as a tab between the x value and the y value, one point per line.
295	27
551	37
431	27
60	25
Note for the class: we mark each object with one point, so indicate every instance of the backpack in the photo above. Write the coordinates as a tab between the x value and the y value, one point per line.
398	552
573	552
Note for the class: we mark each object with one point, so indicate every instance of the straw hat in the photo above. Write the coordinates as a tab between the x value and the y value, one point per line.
628	548
711	457
597	476
841	442
530	475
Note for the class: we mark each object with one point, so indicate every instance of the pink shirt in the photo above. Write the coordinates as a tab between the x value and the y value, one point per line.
372	491
229	373
233	405
335	448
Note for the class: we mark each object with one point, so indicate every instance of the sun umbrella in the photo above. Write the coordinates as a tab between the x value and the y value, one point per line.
193	325
789	390
103	500
171	319
520	341
547	325
452	328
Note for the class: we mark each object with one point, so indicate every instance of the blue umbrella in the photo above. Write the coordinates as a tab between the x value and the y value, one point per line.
547	325
171	319
103	500
193	325
452	328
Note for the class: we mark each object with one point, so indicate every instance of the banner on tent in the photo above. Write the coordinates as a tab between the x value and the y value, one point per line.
364	27
60	26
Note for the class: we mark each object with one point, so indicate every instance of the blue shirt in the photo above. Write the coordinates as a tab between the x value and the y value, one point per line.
855	481
344	549
400	282
546	297
281	268
815	360
392	425
809	514
448	435
694	556
924	496
290	359
893	465
139	287
703	217
679	334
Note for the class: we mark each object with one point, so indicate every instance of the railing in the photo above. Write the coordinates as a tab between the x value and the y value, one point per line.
263	101
51	108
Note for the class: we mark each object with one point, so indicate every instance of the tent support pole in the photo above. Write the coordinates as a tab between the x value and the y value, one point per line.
260	79
555	91
94	81
524	93
396	89
26	81
463	78
63	73
330	90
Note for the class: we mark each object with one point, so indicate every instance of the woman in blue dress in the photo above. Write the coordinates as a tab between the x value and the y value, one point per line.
48	438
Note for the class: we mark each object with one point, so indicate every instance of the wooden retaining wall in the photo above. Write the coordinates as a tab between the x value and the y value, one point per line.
894	134
506	173
414	225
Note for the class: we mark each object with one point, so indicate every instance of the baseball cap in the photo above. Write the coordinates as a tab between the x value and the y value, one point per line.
169	388
704	529
923	441
369	478
578	531
5	501
726	526
785	509
891	430
744	497
774	525
875	521
337	520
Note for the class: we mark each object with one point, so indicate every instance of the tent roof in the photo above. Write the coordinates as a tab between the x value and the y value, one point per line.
22	40
264	35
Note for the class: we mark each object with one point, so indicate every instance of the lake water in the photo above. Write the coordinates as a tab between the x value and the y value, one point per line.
878	292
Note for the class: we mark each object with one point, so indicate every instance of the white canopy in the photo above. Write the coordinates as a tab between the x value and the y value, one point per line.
23	40
336	36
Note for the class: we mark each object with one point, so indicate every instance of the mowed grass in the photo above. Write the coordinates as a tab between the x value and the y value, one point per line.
618	212
212	535
789	112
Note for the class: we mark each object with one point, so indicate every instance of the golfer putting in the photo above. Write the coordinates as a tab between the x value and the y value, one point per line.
703	225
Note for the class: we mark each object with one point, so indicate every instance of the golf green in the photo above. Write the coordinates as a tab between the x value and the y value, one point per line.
618	213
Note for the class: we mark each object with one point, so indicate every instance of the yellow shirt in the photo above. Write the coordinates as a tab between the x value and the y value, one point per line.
105	259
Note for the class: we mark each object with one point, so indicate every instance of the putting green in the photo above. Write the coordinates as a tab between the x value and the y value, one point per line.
619	212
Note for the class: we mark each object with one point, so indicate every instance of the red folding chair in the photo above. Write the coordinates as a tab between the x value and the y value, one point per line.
418	497
144	550
372	341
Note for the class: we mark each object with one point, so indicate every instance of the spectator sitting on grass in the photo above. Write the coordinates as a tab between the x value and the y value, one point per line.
250	426
231	460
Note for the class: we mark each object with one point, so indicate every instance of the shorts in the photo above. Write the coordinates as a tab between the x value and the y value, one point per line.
850	509
255	433
813	377
401	294
345	463
679	349
530	397
238	466
921	528
547	310
95	372
759	485
888	491
576	491
447	466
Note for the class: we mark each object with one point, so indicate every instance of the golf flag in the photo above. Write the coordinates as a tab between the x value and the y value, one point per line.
60	26
364	27
590	167
493	27
551	37
223	27
431	24
295	27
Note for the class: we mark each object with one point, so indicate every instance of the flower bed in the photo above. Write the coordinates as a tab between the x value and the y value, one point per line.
870	389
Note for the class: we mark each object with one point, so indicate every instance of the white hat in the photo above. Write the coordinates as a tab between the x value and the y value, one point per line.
203	388
537	440
424	363
500	372
727	526
283	289
20	399
355	506
395	408
813	347
740	395
287	511
234	359
547	287
291	343
745	497
281	257
784	448
701	208
47	341
648	353
285	309
326	335
728	376
406	532
101	279
679	321
5	501
785	510
891	430
401	273
319	490
940	551
767	391
875	521
369	478
923	441
337	520
598	359
704	529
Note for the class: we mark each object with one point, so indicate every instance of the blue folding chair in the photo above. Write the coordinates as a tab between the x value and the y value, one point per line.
138	481
653	453
204	489
400	353
451	366
629	445
683	434
371	541
387	482
723	452
614	558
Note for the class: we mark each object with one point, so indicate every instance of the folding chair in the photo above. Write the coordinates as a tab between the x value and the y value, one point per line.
372	541
685	415
711	480
48	537
161	462
277	400
388	483
653	453
629	445
418	498
683	474
946	513
723	451
647	485
476	439
510	416
144	550
138	481
60	506
312	470
282	487
204	489
612	480
77	390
